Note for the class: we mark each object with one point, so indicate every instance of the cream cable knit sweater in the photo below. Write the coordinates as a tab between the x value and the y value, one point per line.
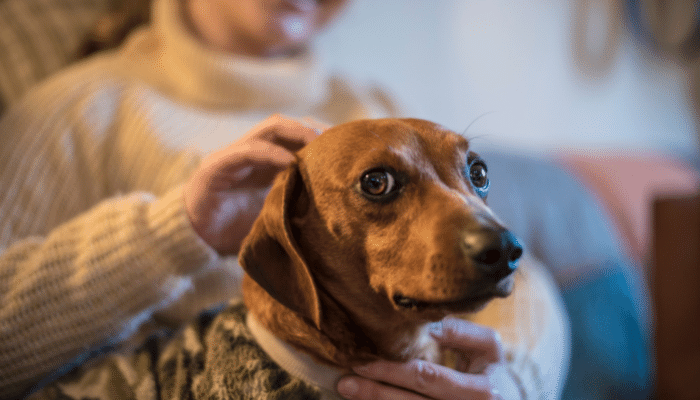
82	261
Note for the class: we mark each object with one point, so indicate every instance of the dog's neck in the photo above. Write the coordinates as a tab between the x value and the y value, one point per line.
339	343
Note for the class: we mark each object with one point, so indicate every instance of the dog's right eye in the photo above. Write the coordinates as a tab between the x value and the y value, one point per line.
378	184
478	174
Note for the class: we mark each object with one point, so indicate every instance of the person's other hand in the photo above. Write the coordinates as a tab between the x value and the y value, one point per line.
225	193
481	370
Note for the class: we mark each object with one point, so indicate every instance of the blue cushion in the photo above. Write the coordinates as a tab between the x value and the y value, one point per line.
564	226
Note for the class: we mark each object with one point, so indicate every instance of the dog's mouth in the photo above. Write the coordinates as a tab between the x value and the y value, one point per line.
454	305
468	303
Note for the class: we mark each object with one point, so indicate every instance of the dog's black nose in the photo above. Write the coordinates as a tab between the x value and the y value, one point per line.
496	252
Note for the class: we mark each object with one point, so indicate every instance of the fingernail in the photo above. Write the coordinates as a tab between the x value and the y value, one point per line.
347	387
361	369
243	173
436	328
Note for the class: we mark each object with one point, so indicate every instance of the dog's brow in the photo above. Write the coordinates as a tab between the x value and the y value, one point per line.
472	156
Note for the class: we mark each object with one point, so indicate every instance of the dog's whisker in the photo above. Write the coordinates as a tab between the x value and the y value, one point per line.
464	132
379	137
472	138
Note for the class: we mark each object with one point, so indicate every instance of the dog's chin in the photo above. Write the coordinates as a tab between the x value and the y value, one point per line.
470	303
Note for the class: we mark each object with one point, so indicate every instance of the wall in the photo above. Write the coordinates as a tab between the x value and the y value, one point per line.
453	61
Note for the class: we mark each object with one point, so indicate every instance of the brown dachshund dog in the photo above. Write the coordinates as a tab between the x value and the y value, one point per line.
378	229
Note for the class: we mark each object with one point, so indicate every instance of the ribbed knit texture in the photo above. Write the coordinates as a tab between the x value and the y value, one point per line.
93	229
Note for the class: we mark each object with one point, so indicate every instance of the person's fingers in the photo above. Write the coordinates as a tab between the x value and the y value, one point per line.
252	152
425	378
481	347
482	344
357	387
319	126
271	143
251	164
263	152
283	131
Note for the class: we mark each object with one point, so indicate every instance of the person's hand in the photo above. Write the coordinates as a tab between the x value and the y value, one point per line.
481	371
226	192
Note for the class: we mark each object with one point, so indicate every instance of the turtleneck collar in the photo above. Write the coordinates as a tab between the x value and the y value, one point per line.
192	73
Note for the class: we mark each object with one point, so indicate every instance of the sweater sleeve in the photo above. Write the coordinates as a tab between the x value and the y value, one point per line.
534	328
80	264
97	276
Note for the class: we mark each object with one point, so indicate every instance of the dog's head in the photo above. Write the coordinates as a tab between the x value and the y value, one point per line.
383	219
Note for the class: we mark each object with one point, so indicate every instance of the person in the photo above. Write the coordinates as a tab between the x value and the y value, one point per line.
123	207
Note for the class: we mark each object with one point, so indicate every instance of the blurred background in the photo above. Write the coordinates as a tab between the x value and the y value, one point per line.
550	74
608	89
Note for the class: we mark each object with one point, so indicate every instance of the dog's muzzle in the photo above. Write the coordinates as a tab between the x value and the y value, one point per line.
494	253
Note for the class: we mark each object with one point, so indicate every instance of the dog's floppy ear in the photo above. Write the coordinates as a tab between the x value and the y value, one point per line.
270	254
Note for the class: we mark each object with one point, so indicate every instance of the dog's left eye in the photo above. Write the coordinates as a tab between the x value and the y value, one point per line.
378	183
